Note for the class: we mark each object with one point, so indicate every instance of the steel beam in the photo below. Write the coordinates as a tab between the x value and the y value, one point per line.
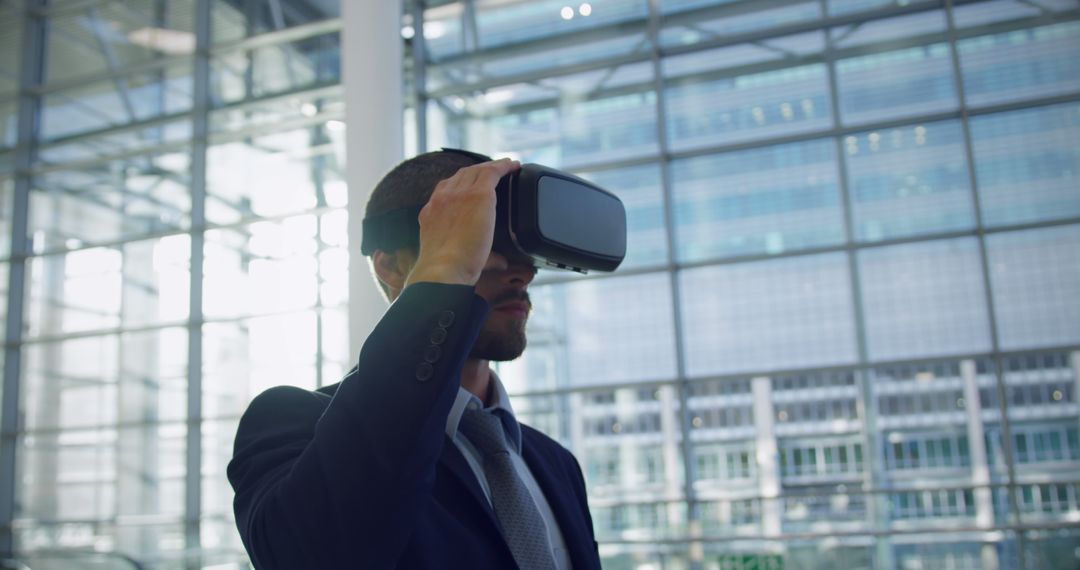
29	112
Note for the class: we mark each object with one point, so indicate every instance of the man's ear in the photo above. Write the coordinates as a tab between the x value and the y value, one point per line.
392	268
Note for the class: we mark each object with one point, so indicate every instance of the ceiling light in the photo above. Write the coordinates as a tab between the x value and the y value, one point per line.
434	30
408	32
172	42
567	13
309	110
585	9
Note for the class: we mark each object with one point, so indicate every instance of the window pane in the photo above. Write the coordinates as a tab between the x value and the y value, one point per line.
842	7
908	181
500	24
115	34
262	268
236	20
454	73
896	84
111	103
1036	283
887	30
102	473
687	22
1021	64
119	199
1026	163
244	358
597	332
566	121
103	380
711	108
767	200
102	288
286	67
924	299
272	175
977	13
639	189
784	313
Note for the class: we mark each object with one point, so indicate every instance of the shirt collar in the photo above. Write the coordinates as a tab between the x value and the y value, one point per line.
500	406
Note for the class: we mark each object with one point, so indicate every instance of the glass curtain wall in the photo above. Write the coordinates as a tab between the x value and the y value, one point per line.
847	333
177	166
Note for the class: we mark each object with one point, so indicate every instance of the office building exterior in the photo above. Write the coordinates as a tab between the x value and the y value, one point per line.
847	333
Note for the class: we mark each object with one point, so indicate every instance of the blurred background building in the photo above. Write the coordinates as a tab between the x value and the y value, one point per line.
847	334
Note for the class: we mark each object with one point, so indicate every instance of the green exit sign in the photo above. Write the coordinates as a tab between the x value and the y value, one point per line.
751	562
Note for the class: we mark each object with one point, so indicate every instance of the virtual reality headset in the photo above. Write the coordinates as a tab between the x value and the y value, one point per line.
555	218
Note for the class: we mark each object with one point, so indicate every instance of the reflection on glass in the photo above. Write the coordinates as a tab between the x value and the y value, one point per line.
243	358
269	267
569	121
767	315
112	35
908	181
895	84
639	189
759	201
104	287
310	62
1025	162
1037	62
233	21
924	299
98	106
688	22
705	111
1035	276
103	473
272	175
123	199
596	332
104	380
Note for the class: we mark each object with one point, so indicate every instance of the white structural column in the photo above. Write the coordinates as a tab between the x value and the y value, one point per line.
980	465
767	456
371	68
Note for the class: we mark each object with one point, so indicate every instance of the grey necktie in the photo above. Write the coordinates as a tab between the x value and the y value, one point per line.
522	526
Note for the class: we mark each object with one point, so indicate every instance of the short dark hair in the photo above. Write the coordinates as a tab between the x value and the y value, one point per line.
412	182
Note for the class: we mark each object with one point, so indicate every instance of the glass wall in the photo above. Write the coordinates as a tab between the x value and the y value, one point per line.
185	248
847	333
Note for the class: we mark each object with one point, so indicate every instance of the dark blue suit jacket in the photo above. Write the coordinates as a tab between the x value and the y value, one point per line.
362	475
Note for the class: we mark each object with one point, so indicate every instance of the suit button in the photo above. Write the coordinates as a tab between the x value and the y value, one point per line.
438	335
424	372
432	354
446	319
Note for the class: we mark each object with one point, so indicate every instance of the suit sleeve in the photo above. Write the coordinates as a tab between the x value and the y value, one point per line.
318	486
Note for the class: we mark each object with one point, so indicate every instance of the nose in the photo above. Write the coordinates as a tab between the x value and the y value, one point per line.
516	271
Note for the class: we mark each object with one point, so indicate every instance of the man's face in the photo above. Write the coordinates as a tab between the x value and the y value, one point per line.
504	284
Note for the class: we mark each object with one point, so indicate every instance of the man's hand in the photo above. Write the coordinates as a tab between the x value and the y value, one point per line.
457	225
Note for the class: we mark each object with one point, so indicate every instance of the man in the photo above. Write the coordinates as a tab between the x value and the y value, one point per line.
415	460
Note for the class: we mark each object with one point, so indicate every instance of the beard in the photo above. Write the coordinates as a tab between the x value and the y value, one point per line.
501	340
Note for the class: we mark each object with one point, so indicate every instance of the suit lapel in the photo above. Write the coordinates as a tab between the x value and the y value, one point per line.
547	470
455	462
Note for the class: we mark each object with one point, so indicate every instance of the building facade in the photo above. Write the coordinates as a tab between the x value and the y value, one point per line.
847	333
